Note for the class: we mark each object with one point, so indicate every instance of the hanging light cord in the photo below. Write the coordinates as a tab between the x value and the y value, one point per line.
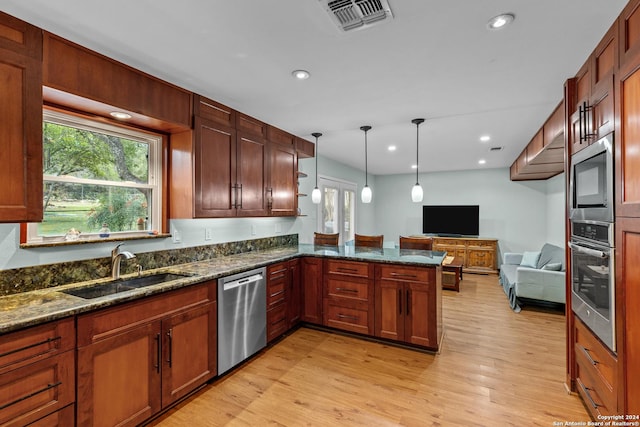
366	171
417	122
317	135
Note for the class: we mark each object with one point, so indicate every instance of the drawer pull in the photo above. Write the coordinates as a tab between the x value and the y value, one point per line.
353	291
158	355
586	392
588	354
18	350
344	316
273	273
349	270
30	395
399	301
277	293
413	276
170	350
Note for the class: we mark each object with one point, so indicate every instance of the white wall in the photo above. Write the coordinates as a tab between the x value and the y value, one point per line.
556	202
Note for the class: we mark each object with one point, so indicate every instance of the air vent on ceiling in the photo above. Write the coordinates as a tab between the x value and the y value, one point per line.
496	148
357	14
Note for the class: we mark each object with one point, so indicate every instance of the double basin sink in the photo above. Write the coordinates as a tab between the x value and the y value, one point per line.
122	285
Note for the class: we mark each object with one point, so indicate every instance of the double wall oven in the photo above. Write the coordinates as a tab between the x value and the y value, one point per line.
592	239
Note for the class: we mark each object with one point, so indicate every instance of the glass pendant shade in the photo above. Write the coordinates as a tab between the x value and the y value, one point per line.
366	194
316	196
416	193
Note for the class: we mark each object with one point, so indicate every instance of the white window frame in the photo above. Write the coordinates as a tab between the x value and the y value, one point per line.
155	172
342	185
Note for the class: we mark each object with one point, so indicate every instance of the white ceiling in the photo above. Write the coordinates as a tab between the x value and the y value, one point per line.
435	59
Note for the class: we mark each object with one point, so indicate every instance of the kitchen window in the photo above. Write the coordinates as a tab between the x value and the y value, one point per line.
100	180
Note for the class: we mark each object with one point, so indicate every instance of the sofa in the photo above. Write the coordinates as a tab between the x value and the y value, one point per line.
537	276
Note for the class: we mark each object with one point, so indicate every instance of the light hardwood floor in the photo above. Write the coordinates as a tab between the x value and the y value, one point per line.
496	367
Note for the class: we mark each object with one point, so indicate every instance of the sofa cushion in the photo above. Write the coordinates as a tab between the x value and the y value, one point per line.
551	254
530	259
553	266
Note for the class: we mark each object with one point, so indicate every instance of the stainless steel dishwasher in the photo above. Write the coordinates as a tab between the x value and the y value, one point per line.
242	317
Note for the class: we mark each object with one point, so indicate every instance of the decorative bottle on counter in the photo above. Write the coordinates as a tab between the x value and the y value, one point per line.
104	231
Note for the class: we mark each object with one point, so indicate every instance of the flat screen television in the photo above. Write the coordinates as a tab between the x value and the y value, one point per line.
451	220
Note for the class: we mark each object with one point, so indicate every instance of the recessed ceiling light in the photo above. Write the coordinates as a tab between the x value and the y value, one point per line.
500	21
120	115
392	148
300	74
485	138
482	161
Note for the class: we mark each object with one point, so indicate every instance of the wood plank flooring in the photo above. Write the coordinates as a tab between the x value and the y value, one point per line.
496	367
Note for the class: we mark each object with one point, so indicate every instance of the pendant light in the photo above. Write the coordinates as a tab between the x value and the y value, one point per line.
315	194
366	191
416	191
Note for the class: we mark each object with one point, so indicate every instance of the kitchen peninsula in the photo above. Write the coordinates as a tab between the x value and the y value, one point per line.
389	294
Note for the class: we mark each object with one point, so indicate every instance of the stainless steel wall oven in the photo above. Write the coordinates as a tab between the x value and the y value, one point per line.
593	277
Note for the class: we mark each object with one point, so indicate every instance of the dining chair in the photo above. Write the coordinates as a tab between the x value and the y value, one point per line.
326	239
369	241
415	242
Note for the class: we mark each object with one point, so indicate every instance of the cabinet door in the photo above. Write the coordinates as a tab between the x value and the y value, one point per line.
389	318
602	114
20	121
627	141
282	182
251	178
420	314
214	170
627	302
312	290
189	351
119	378
294	296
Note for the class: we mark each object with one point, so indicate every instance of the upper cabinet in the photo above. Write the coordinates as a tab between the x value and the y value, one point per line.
591	95
79	78
543	157
231	165
20	121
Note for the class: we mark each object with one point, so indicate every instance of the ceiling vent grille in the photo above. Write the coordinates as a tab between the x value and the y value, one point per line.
357	14
496	148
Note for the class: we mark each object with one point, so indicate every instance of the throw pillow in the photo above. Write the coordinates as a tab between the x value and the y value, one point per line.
530	259
553	266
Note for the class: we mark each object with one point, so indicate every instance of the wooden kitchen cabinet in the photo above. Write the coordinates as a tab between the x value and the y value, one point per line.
294	297
283	167
407	305
278	286
479	254
37	372
349	296
311	272
137	358
20	121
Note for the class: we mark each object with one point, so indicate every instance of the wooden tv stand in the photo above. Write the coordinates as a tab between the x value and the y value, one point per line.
479	254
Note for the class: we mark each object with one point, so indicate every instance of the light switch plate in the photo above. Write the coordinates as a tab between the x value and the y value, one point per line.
208	234
175	235
253	229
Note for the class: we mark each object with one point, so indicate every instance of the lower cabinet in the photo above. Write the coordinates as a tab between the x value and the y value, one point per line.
37	374
294	297
311	276
407	305
348	296
596	372
479	255
135	359
278	280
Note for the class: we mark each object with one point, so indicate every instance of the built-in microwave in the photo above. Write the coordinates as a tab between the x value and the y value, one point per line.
591	182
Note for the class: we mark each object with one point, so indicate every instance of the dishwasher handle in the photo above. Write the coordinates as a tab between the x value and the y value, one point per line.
241	282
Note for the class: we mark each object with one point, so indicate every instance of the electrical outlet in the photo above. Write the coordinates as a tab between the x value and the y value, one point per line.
278	227
253	229
175	235
208	234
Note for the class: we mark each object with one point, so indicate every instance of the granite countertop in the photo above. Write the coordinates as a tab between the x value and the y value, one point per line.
35	307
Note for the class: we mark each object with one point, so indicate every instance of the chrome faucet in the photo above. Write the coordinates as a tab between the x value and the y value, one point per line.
116	257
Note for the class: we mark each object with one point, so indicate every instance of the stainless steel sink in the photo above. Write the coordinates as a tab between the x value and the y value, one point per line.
121	285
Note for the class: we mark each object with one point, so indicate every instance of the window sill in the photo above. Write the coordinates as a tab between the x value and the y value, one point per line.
60	241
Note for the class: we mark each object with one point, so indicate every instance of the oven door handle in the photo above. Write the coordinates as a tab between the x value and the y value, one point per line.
588	251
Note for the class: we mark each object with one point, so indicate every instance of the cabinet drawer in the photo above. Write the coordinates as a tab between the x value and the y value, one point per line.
347	268
102	324
480	259
348	319
348	289
597	365
276	322
406	274
30	345
449	242
592	392
276	291
33	391
481	244
65	417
